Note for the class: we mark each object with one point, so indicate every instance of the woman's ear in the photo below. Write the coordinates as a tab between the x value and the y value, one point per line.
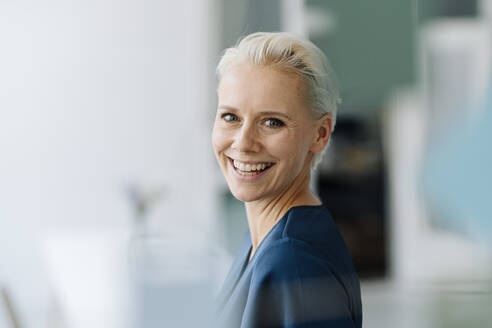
323	133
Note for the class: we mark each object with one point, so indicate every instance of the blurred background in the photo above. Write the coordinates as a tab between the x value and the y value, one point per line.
114	213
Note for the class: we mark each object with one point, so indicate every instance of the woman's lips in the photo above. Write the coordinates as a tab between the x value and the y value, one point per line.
250	166
250	175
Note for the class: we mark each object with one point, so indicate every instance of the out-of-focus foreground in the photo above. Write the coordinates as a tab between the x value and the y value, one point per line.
113	212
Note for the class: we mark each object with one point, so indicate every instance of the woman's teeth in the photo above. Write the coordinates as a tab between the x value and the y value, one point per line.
246	169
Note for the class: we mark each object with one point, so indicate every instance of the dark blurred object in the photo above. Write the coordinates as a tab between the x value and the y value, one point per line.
447	8
351	185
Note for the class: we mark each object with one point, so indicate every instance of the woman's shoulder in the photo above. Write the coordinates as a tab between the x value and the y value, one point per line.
291	271
310	223
308	246
290	258
314	230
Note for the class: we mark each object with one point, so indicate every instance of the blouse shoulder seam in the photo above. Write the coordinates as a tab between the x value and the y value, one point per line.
298	244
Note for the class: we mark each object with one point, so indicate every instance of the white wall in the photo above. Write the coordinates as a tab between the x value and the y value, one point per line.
95	94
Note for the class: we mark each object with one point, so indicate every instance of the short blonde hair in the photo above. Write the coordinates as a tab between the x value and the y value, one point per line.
290	53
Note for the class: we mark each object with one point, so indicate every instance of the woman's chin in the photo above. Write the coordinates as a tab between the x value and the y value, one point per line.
245	196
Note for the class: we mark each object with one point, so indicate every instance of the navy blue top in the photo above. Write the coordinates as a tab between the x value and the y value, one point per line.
301	275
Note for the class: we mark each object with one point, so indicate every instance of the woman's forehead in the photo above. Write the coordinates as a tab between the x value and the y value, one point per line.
244	70
264	88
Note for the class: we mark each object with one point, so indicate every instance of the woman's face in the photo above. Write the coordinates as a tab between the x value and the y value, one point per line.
263	132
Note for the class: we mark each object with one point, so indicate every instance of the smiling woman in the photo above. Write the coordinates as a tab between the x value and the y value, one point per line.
261	116
276	112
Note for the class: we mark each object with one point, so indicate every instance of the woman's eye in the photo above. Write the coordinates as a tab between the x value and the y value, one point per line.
274	123
228	117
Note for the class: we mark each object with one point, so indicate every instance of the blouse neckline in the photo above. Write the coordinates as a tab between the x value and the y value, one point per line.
246	262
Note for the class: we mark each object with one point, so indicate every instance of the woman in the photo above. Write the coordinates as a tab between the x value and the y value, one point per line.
276	110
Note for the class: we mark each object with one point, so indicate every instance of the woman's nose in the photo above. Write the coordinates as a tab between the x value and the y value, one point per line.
246	139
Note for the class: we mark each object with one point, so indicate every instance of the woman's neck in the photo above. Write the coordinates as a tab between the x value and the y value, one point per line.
264	214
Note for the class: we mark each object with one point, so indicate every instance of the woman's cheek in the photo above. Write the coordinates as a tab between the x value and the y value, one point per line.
219	138
280	144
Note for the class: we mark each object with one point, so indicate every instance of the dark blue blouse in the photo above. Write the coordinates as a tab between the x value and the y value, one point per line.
301	275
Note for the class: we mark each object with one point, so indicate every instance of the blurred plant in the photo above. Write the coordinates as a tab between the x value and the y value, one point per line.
143	197
9	308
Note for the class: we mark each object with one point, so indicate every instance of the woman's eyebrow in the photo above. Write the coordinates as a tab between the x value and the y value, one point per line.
226	107
276	113
233	109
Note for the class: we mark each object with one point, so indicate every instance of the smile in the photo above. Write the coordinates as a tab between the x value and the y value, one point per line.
250	168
